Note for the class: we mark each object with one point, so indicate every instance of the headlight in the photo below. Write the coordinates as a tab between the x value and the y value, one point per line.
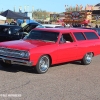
24	54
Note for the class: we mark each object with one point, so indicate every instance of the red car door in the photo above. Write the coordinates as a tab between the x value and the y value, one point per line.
67	49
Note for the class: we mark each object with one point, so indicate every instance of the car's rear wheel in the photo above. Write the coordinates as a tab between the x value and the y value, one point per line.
43	64
87	59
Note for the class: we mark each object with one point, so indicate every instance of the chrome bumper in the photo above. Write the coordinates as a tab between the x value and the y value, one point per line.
16	61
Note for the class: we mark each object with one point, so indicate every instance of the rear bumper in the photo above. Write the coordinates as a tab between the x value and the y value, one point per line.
16	61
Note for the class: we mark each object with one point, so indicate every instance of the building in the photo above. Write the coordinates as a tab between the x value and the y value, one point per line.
96	12
78	15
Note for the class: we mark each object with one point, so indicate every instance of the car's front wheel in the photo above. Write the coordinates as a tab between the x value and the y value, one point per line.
87	59
43	64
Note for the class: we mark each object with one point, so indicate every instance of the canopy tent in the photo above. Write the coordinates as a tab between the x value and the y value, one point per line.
13	15
2	18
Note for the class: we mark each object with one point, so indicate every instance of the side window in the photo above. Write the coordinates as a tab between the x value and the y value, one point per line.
91	35
79	36
66	38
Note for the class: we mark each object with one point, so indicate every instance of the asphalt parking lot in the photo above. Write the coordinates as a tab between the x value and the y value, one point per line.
70	81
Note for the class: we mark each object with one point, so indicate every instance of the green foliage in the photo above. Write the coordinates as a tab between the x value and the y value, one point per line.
40	14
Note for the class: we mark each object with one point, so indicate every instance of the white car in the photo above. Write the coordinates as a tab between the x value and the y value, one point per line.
52	26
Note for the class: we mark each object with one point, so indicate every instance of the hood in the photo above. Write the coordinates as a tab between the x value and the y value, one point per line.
24	44
27	28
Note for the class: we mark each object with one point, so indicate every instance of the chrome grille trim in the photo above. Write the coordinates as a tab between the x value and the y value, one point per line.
11	52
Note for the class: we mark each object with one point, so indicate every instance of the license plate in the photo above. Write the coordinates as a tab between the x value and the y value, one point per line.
8	61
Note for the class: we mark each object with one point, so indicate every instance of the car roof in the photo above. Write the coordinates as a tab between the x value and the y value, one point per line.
50	25
64	29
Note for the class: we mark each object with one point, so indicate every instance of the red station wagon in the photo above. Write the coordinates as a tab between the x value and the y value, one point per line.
43	47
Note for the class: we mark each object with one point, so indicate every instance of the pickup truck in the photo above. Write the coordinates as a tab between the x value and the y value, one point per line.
44	47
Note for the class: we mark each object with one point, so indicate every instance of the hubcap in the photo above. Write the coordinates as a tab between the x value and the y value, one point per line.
89	58
44	64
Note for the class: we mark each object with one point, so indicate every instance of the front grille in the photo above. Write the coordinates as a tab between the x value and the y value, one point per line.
10	52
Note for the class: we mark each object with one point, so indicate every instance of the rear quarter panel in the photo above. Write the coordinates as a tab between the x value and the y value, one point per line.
85	46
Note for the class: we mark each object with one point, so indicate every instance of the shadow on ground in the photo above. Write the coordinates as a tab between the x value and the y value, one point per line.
17	68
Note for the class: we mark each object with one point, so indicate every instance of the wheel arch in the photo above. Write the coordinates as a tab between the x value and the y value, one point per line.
89	52
49	57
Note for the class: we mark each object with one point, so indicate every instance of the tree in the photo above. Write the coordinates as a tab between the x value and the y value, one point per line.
40	14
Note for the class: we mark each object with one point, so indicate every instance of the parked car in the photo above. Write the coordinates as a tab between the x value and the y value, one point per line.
97	30
44	47
14	32
7	32
52	26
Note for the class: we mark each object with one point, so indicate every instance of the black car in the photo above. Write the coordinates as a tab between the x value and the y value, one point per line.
13	32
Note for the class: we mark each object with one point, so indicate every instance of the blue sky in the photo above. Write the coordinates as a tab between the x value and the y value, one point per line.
48	5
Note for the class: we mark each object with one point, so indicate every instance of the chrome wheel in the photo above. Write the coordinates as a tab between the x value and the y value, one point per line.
87	59
43	64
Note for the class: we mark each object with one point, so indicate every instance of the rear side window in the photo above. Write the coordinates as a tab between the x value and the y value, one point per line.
79	36
90	35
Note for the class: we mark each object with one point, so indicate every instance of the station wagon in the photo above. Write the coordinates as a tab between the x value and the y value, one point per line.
44	47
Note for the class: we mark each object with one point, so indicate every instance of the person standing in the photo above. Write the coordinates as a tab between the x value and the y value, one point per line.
24	23
6	22
96	26
13	22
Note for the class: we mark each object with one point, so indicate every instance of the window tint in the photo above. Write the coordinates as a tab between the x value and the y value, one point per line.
66	38
91	35
79	35
43	35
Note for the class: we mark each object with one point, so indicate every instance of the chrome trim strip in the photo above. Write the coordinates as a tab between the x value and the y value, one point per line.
17	61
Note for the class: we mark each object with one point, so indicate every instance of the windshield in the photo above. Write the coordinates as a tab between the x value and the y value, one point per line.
42	35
